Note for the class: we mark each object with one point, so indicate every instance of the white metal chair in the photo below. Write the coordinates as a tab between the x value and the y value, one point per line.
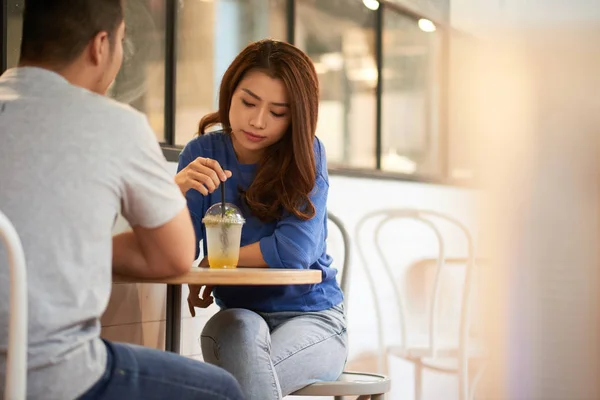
423	356
16	365
366	385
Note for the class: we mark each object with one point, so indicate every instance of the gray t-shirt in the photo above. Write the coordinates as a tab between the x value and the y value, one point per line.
70	161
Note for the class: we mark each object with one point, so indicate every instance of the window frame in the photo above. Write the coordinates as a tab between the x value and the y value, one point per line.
4	36
171	151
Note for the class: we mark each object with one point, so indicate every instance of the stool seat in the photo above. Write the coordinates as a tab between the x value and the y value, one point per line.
349	384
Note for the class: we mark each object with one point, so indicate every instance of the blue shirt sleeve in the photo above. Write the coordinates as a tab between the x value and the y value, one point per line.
195	200
296	243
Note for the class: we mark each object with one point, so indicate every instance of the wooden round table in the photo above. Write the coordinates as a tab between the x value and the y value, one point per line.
217	277
234	276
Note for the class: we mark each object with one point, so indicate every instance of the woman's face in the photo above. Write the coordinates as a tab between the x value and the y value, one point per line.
259	115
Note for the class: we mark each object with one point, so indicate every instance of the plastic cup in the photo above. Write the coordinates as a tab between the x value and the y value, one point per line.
223	235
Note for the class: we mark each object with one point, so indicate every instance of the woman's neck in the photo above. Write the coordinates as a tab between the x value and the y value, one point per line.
245	156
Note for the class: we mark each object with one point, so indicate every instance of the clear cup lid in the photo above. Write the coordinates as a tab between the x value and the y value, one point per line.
215	215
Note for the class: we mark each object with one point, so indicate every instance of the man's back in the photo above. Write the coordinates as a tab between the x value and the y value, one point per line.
70	160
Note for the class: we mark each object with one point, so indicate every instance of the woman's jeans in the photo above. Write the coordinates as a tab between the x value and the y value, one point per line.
275	354
136	372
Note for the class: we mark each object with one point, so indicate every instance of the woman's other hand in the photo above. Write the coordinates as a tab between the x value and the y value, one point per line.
195	300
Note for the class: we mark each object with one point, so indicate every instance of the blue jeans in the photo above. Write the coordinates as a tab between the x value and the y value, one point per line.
274	354
136	372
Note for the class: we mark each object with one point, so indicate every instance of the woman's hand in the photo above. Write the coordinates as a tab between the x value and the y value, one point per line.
203	174
194	299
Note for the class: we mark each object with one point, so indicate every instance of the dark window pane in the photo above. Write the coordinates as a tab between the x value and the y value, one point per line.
13	40
141	81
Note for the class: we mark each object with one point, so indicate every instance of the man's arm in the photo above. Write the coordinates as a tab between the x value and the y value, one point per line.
162	241
160	252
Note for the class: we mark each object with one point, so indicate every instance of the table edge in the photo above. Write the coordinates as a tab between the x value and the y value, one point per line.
225	277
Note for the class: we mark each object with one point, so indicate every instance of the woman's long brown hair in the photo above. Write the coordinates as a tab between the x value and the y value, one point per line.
286	174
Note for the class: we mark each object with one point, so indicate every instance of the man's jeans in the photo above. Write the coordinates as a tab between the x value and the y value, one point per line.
135	372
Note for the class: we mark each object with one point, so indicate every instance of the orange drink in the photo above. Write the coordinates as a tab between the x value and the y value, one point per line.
223	235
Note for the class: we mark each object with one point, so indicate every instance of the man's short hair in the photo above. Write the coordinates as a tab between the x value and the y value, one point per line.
56	31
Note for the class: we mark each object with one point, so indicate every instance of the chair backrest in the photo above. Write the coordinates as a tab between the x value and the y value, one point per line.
418	284
16	364
345	265
425	217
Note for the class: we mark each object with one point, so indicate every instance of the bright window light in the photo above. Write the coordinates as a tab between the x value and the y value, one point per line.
371	4
333	61
426	25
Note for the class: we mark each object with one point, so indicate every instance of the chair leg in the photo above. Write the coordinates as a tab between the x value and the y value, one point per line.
418	380
378	396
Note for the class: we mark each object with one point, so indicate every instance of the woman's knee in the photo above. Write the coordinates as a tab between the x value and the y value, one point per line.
234	327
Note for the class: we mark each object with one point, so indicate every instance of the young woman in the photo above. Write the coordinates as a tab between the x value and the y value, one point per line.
273	339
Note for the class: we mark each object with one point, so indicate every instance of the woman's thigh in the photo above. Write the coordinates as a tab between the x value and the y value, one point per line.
309	347
239	341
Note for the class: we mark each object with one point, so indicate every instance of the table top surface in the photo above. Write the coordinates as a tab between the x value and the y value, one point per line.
234	276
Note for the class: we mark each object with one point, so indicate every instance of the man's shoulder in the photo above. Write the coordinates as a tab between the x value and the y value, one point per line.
114	121
40	89
111	110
